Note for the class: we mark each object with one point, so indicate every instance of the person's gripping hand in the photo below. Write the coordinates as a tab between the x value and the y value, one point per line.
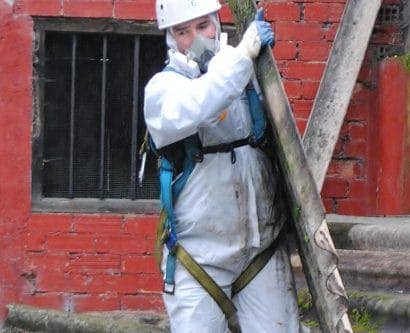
258	35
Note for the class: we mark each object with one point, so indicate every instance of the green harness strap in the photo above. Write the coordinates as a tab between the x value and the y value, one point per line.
256	265
203	278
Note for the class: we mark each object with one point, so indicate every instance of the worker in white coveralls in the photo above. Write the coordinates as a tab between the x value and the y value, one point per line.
223	216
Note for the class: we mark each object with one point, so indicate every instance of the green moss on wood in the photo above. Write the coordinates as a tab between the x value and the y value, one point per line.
405	59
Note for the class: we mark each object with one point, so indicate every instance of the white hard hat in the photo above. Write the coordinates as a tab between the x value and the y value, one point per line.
173	12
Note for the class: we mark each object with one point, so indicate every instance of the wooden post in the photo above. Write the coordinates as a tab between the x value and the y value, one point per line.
316	248
336	86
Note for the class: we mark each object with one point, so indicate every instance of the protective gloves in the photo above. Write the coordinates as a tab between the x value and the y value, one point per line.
258	34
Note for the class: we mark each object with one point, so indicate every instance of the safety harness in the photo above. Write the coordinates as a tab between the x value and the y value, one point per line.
176	162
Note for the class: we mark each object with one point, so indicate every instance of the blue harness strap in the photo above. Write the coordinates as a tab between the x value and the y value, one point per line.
257	114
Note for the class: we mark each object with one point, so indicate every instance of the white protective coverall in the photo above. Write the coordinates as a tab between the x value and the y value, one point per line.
224	214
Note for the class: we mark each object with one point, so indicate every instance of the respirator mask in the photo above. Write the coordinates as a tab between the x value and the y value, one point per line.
202	51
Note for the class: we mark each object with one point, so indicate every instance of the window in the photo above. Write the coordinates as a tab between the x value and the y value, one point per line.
88	121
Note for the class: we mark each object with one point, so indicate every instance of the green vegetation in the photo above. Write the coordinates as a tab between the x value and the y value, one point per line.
363	322
361	319
405	59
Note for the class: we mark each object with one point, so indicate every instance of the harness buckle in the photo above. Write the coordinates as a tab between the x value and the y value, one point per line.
168	288
253	142
171	242
198	157
233	156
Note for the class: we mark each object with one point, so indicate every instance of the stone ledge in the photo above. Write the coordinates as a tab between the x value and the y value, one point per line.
370	233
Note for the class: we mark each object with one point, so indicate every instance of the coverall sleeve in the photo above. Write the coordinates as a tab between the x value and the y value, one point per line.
175	106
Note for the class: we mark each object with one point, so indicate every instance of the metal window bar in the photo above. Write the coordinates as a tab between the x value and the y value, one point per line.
103	111
135	102
72	109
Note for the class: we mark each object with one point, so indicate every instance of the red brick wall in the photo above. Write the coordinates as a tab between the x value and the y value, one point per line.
85	262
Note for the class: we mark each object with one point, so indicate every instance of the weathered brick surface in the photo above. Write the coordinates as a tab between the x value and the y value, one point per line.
86	8
83	262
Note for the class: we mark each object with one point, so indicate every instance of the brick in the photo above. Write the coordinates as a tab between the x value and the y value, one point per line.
301	125
93	283
100	302
94	264
292	88
359	189
282	11
352	207
346	169
357	111
139	264
323	12
386	35
43	262
335	188
124	244
296	31
314	51
8	272
147	282
52	281
339	149
71	243
356	149
302	109
38	7
50	222
309	89
357	130
285	50
45	300
143	302
103	224
33	241
303	70
141	225
225	14
134	9
329	205
367	74
87	8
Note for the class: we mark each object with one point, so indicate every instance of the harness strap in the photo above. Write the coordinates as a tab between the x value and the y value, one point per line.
203	278
225	148
257	264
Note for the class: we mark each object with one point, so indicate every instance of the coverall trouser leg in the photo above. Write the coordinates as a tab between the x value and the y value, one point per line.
266	305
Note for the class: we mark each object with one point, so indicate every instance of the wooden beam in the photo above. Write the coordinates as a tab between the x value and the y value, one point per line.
406	26
316	248
336	86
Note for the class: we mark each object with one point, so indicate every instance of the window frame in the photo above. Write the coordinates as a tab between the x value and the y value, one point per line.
83	25
76	205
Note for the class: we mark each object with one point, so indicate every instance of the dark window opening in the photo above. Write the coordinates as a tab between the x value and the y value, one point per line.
91	106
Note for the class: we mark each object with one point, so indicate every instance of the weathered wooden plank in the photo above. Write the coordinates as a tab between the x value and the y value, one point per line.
315	244
336	86
406	26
